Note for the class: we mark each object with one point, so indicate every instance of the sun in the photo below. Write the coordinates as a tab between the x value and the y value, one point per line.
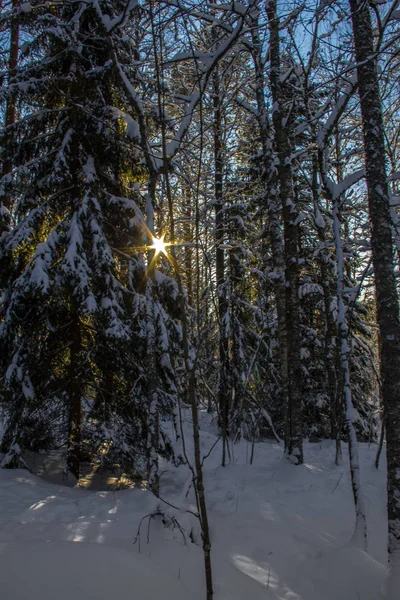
159	245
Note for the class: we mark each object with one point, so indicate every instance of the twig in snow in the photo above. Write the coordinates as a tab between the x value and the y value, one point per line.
338	481
166	520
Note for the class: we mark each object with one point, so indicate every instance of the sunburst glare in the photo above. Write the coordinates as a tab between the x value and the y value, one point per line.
159	245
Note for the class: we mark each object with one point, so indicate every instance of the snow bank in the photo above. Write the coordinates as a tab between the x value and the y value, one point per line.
66	571
279	531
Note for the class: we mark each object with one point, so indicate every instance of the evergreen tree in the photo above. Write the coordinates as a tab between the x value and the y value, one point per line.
71	329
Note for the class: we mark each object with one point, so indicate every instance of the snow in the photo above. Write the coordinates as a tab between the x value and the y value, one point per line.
278	531
337	189
89	170
26	7
119	20
80	571
132	127
237	7
336	112
173	146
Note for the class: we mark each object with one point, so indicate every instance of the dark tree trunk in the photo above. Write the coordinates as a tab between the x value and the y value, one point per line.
188	251
75	398
331	332
272	208
197	472
294	434
382	256
190	371
223	389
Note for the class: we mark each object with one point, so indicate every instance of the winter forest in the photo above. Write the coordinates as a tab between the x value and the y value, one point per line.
199	314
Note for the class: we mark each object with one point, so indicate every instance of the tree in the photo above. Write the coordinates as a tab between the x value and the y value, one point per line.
281	121
74	302
382	257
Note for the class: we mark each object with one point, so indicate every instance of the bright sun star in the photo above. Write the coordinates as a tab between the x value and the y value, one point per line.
159	245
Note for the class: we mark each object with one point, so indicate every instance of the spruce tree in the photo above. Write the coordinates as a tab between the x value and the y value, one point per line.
71	334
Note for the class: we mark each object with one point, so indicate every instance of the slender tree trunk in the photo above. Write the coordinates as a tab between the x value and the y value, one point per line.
332	334
329	307
380	443
198	481
188	251
330	350
382	257
153	417
223	389
271	204
190	372
294	433
360	530
75	398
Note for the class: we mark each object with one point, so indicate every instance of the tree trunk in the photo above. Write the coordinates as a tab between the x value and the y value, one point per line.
382	257
223	388
271	204
153	417
294	434
331	355
197	472
360	530
190	372
75	398
188	251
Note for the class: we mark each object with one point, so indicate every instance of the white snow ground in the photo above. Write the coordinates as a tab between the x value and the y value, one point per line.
279	532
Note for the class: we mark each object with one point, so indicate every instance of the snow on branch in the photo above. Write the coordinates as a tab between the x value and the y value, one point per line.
210	60
337	112
248	107
120	20
337	189
238	8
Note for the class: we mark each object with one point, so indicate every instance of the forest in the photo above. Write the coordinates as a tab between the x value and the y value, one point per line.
199	279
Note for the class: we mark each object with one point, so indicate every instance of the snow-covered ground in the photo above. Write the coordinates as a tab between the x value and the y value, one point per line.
279	532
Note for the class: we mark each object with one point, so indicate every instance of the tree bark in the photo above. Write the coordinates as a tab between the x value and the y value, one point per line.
294	434
382	257
188	251
153	417
197	473
190	372
331	333
360	529
271	203
223	387
75	399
